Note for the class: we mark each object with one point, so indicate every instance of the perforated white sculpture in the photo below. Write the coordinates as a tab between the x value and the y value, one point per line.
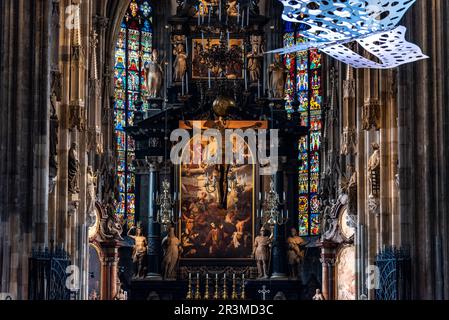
330	24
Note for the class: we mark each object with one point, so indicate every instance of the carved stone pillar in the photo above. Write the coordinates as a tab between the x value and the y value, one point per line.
109	270
328	252
349	115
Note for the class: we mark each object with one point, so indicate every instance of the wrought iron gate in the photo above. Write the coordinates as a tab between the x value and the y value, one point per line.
47	276
394	273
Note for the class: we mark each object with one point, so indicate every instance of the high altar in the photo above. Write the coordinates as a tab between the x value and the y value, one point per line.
202	220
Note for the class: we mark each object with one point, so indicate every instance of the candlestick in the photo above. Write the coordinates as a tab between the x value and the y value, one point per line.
189	292
197	291
216	296
234	289
243	294
225	290
206	288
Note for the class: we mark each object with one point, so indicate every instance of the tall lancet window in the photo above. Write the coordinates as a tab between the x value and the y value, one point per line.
304	85
133	51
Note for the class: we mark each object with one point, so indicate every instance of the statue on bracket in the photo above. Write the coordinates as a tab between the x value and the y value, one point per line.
74	170
255	59
295	253
140	249
262	252
91	195
180	64
374	169
277	77
155	76
172	252
110	226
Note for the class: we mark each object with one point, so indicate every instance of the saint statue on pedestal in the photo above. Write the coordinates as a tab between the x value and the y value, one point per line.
74	169
91	195
180	64
172	252
277	77
262	252
154	76
295	254
139	251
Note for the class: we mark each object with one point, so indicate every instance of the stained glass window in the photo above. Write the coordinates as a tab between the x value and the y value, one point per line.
132	53
304	85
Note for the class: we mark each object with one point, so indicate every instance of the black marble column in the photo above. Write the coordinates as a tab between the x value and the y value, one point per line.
154	229
146	210
278	250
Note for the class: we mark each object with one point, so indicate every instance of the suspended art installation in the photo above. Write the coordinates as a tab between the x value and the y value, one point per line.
330	24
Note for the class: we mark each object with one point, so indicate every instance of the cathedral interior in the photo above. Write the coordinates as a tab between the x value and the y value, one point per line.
120	122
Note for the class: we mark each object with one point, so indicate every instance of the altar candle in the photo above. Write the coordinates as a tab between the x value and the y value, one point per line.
187	83
247	18
243	17
258	88
229	39
210	81
207	276
190	276
283	195
210	10
238	13
246	80
183	86
219	10
199	14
